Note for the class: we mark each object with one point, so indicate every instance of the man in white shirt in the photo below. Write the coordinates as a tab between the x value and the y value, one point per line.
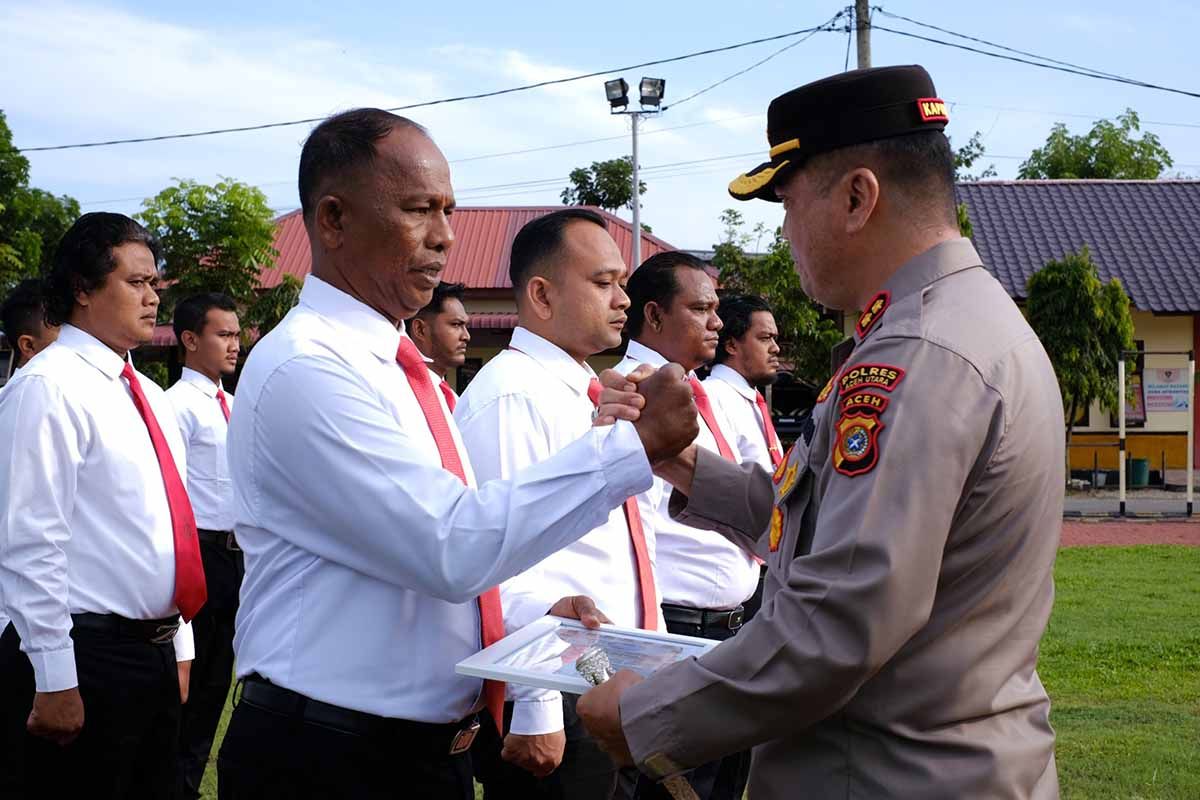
747	361
527	403
440	332
705	578
207	328
371	556
98	551
23	317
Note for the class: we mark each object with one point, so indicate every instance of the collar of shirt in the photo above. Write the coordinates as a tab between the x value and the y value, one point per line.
736	380
92	350
354	319
201	381
553	358
644	355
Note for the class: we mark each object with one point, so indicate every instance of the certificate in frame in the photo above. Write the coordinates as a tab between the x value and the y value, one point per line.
543	653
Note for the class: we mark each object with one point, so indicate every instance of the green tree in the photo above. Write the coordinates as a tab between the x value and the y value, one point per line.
606	184
805	336
270	307
1108	150
31	220
1084	325
214	239
964	159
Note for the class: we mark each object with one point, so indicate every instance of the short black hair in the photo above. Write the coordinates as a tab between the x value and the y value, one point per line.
191	312
541	238
737	313
84	258
341	143
441	293
920	164
654	282
23	309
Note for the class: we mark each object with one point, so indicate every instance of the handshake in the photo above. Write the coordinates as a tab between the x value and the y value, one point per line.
659	403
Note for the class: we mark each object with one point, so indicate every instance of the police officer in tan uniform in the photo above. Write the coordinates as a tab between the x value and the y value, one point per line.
910	533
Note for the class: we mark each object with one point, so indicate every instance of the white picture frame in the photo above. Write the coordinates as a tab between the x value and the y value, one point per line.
543	653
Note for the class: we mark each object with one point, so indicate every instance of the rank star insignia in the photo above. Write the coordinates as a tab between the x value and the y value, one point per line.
789	481
779	470
776	533
875	309
828	388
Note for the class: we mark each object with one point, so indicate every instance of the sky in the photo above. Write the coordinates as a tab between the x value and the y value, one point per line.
87	71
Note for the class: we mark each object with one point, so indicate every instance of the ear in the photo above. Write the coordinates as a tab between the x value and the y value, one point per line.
654	314
25	346
860	191
418	329
188	340
537	295
329	220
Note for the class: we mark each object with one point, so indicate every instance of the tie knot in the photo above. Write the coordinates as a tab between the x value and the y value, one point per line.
409	356
697	388
594	389
128	374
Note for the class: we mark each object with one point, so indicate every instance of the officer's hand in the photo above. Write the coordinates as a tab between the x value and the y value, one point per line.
600	712
185	679
619	398
668	421
539	754
57	716
580	607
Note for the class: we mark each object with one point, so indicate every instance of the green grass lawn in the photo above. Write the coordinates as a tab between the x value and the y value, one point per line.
1121	661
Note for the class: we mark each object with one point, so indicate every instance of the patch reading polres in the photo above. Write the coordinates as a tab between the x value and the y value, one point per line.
879	376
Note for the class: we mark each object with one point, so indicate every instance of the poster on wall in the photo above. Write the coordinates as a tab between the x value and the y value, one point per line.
1166	389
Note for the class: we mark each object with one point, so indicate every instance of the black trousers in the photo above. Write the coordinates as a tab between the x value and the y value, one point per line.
724	779
272	756
212	670
128	746
586	773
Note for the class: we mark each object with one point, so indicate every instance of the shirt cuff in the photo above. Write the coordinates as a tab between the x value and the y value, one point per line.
185	646
650	732
54	670
536	717
623	458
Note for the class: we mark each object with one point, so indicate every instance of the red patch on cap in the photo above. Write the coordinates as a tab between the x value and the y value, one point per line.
932	109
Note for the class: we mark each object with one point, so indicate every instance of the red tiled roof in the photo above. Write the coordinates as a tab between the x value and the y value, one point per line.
479	257
493	320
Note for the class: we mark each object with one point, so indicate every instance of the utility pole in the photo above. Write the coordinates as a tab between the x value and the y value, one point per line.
862	26
637	200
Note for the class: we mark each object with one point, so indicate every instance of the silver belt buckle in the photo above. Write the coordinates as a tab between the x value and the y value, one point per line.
165	633
464	738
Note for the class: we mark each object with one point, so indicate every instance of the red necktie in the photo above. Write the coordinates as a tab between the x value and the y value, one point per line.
491	618
637	535
773	446
191	590
224	404
448	393
706	413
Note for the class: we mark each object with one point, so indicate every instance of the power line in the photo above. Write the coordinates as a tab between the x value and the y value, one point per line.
428	103
1076	115
1085	73
826	26
993	44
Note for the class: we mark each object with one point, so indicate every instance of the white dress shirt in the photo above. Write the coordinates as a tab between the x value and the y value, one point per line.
86	526
204	429
363	555
737	400
525	405
696	568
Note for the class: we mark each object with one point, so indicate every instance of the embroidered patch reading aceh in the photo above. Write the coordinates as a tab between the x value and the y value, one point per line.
875	309
881	376
856	434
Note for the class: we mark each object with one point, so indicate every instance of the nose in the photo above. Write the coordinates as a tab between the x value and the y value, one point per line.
440	236
621	299
714	322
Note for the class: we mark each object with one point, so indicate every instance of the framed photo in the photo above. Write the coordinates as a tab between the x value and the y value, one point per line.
543	654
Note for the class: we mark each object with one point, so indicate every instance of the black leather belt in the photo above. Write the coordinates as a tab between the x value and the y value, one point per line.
452	737
154	631
222	539
702	618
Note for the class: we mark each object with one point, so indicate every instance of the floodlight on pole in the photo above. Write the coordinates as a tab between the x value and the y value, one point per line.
650	95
